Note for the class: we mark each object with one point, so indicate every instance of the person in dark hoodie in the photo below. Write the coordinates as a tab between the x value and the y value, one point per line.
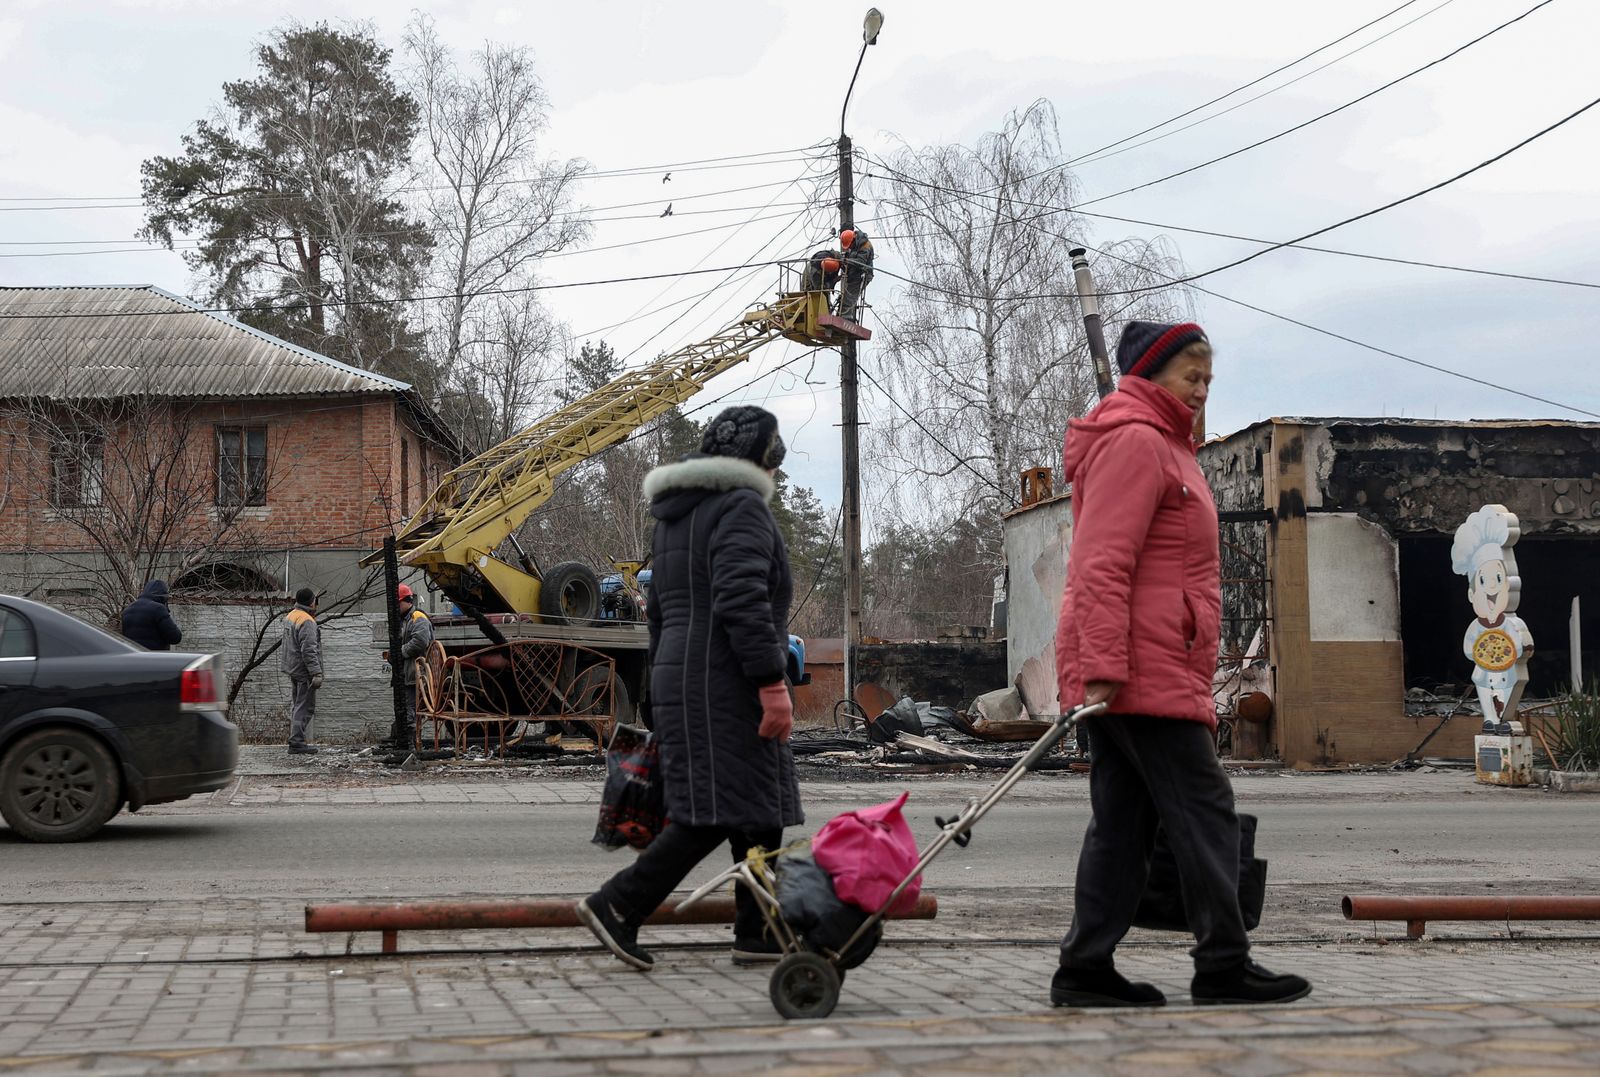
718	615
147	620
1139	626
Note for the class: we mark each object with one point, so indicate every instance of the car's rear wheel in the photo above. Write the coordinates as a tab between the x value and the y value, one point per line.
58	785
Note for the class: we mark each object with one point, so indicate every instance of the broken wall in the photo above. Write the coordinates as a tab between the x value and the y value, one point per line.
1036	542
945	673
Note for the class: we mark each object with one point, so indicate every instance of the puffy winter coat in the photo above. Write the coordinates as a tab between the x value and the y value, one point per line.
718	612
148	622
1143	604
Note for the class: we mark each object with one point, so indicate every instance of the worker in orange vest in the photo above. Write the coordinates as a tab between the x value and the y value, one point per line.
416	636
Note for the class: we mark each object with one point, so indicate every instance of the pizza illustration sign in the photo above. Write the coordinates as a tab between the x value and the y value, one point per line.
1497	642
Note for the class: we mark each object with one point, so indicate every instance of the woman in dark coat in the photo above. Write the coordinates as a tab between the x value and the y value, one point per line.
721	713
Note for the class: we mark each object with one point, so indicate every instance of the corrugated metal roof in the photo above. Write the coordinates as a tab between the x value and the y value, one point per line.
140	340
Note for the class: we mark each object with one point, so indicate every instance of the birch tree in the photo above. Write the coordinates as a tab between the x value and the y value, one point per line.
494	203
988	371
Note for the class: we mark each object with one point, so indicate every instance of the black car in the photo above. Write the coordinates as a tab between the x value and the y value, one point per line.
90	723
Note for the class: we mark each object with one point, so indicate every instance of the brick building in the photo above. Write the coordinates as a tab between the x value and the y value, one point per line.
146	438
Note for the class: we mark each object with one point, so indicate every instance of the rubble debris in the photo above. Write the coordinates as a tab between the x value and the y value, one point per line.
889	724
1003	705
928	745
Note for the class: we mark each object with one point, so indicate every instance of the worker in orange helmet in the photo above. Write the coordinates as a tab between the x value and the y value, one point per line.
857	254
416	636
822	271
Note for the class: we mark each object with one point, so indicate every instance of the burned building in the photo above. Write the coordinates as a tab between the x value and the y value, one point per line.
1339	595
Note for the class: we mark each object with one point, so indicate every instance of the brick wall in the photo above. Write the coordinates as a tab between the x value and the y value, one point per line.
333	472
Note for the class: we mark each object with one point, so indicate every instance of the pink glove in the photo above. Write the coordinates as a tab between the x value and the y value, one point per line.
777	711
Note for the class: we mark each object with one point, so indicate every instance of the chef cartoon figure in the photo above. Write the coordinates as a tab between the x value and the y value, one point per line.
1497	641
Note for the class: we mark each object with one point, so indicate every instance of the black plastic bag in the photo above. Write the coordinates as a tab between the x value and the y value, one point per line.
633	804
903	717
1161	908
810	906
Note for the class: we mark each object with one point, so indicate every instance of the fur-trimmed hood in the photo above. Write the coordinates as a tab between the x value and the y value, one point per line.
707	474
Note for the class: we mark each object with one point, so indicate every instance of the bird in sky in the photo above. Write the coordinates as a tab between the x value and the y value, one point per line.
667	178
668	211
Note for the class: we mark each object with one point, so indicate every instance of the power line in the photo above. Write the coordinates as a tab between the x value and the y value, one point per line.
1253	82
155	248
1050	211
1360	343
1399	201
341	303
1097	156
1175	281
679	317
806	153
1261	142
1276	246
1322	116
958	457
581	212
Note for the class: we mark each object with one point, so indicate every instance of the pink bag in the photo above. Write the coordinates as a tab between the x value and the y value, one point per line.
868	852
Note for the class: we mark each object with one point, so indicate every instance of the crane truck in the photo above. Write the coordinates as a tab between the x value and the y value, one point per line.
464	536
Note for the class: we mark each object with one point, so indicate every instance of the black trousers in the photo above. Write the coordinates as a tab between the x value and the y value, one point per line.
639	889
1145	771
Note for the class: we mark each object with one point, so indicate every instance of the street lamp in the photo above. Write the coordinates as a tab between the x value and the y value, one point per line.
869	36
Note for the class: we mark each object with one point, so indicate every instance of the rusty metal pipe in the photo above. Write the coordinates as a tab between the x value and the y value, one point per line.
470	915
1417	910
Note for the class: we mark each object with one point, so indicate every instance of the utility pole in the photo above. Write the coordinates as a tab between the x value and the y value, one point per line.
849	377
850	431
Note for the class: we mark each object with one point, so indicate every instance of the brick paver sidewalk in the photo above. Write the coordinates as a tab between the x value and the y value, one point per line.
139	988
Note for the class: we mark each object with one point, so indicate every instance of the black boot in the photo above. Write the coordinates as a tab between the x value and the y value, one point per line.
1246	984
615	933
1101	987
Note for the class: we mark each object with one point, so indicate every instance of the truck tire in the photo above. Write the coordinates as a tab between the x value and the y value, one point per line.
58	784
569	594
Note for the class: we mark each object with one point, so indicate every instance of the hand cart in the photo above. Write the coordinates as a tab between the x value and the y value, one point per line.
806	982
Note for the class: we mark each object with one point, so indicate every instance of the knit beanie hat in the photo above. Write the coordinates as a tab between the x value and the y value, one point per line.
747	433
1145	347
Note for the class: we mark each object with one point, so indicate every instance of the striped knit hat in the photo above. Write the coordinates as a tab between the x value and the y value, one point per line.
1145	347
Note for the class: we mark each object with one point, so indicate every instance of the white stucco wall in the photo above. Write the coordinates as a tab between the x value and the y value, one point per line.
354	701
1354	576
1036	541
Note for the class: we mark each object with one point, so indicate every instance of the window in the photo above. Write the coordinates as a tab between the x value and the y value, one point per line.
241	465
77	469
16	636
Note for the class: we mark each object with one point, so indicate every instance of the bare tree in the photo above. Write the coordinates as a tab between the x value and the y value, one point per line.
495	206
981	351
132	489
111	494
507	376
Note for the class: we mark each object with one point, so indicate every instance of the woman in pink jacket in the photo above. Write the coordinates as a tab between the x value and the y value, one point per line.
1139	627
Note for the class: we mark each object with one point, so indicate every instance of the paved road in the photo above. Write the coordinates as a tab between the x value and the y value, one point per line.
272	840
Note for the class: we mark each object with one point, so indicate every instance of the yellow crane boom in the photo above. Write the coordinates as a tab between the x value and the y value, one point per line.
479	505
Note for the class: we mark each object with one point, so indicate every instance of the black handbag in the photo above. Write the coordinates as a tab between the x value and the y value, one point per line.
1161	908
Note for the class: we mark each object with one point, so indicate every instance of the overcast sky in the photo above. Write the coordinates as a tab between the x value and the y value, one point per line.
91	89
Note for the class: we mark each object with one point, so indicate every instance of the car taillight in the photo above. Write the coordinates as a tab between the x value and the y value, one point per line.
199	687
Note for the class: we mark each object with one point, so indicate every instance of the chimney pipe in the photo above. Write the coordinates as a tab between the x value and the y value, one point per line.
1090	303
